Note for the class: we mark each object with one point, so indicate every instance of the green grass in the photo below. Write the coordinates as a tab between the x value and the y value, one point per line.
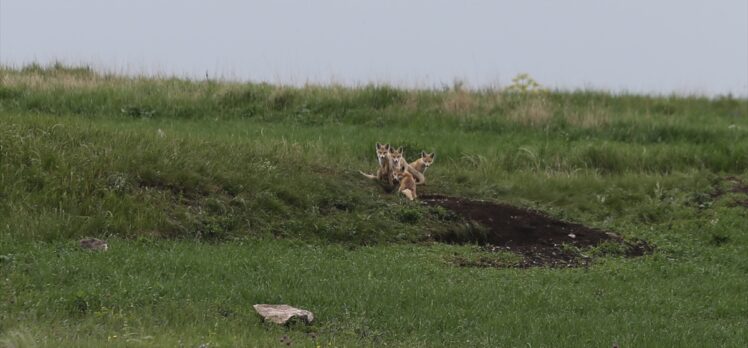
400	295
216	196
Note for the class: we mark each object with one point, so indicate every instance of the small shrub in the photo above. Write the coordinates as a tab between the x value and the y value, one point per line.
523	84
409	215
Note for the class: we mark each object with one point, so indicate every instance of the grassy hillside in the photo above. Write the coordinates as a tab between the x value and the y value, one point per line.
217	195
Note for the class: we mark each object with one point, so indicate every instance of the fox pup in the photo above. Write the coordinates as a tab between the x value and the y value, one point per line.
386	165
420	165
407	184
398	161
401	165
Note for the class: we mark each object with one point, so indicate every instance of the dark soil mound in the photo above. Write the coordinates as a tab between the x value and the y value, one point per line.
542	240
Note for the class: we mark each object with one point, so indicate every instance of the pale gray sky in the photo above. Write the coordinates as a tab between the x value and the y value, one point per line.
660	46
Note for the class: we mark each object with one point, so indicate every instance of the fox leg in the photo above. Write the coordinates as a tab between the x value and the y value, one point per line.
408	193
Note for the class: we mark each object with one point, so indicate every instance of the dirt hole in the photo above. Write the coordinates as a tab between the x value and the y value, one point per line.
540	240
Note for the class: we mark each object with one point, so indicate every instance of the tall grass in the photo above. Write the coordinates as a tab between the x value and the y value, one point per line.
91	154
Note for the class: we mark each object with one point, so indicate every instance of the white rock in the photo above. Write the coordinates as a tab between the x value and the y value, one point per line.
281	314
94	244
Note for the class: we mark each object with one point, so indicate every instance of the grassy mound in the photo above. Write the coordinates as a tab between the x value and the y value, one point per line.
92	154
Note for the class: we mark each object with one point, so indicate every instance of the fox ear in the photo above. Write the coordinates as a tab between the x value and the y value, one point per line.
432	155
379	146
400	149
423	153
387	146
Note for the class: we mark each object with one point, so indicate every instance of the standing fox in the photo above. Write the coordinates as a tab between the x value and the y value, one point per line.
404	174
385	172
398	161
420	165
407	184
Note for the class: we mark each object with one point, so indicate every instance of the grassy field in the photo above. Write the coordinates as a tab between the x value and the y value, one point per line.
217	195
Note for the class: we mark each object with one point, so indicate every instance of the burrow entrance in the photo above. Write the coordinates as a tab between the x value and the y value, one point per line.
539	239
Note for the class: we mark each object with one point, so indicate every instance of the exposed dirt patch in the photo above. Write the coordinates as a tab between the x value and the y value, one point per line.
540	239
735	185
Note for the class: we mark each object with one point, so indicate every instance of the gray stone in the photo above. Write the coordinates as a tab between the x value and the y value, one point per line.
94	244
281	314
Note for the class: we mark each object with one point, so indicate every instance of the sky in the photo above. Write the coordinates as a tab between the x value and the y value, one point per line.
660	46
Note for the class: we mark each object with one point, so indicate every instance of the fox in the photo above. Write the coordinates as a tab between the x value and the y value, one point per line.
420	165
386	166
407	184
416	169
399	164
404	174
